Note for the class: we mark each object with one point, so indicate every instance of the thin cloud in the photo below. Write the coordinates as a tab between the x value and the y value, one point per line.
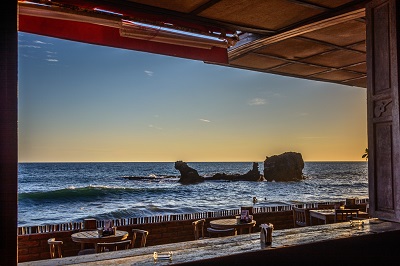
51	56
149	73
40	42
257	101
205	120
29	46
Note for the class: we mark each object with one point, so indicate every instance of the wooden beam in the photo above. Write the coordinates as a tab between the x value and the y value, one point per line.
317	25
204	7
309	4
290	61
334	46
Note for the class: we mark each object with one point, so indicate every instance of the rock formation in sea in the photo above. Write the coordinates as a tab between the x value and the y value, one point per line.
252	175
188	174
191	176
287	166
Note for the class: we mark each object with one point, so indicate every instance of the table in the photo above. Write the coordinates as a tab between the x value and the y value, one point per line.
232	223
92	237
327	216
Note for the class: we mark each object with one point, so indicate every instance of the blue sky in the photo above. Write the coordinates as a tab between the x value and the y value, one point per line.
81	102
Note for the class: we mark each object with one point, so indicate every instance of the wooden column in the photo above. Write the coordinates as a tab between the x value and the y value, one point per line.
383	108
8	136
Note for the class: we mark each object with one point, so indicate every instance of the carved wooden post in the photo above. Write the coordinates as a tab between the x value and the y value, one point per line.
383	109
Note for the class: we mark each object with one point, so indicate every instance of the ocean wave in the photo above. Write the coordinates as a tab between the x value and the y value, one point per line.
87	193
151	177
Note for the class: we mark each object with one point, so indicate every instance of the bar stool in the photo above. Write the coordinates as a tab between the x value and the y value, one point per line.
198	229
143	233
55	248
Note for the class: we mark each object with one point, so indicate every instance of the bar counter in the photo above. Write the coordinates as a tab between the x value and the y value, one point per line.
247	245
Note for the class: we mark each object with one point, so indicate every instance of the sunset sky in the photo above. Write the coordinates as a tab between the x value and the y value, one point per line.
86	103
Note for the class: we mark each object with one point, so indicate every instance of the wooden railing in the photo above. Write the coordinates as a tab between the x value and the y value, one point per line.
71	226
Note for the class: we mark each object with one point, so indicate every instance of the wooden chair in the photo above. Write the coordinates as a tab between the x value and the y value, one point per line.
55	248
301	217
113	246
212	232
143	239
198	229
89	224
249	208
344	215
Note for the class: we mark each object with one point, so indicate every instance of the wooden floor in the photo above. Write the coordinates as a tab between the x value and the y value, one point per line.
332	244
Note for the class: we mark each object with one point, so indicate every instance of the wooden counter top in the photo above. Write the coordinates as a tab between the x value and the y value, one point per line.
214	248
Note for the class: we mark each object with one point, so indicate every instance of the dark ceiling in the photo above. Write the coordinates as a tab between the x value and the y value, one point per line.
312	39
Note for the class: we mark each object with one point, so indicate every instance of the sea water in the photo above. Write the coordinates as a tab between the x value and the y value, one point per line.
51	193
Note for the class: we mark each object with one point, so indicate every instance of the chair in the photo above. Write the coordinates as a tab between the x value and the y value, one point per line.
113	246
198	229
249	208
143	233
55	248
343	215
89	224
301	217
221	232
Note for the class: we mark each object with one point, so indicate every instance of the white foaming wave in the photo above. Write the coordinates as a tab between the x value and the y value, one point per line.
96	186
106	186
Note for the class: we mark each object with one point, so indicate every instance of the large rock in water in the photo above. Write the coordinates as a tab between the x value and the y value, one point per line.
287	166
188	174
252	175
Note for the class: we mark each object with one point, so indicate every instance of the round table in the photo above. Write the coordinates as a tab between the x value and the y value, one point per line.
232	223
92	237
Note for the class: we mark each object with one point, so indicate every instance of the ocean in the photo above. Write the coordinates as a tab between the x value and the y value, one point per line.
52	193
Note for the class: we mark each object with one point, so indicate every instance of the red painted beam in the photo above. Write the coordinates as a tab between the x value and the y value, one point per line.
108	36
140	11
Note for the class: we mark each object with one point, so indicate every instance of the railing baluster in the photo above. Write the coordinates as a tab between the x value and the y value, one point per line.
25	230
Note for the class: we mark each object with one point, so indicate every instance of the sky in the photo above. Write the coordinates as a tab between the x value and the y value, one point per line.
87	103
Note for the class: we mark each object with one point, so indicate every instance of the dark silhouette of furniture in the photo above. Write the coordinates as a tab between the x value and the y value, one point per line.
301	217
198	229
344	215
136	233
113	246
213	232
55	248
